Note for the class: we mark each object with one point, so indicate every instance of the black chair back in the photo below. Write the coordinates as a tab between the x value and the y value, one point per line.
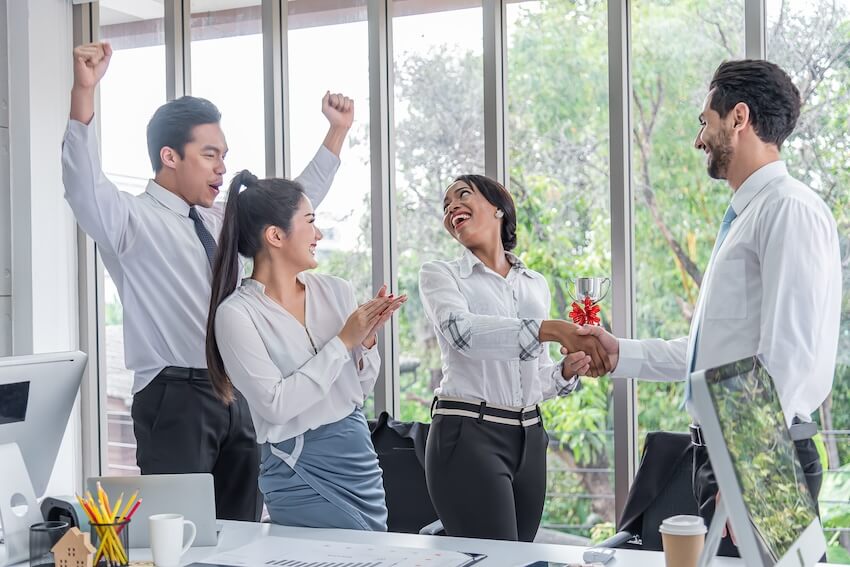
663	487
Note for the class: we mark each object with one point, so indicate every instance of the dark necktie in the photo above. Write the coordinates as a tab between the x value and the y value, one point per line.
203	234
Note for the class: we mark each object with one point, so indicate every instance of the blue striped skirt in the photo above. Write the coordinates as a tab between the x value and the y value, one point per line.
325	478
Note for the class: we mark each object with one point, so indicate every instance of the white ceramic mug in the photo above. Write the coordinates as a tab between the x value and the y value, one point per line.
166	534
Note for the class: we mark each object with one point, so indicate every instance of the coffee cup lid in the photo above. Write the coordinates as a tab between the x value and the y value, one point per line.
683	525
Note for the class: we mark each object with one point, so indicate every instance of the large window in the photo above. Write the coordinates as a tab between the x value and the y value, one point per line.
557	123
130	92
439	125
811	40
345	215
676	47
227	69
558	153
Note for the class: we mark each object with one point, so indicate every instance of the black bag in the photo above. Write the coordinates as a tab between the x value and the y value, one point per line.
401	455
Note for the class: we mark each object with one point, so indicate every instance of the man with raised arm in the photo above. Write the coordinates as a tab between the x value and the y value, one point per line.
158	248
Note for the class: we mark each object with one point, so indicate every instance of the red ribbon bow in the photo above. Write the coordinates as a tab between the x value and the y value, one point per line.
587	315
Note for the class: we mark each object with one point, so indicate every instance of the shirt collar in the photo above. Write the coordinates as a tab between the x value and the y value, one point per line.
468	261
167	199
254	285
754	184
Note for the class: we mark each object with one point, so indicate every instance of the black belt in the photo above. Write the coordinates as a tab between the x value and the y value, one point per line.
799	431
180	373
481	411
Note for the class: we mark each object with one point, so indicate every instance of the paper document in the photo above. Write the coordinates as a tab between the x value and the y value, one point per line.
274	551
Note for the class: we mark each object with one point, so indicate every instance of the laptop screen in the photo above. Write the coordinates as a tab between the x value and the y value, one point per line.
762	453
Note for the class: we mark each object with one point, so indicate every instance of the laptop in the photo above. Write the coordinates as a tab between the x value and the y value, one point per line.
192	495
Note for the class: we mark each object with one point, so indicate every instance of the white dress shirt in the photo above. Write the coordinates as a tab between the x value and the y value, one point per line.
487	327
295	377
773	289
150	247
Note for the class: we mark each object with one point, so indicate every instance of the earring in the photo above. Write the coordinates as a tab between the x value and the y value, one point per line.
499	213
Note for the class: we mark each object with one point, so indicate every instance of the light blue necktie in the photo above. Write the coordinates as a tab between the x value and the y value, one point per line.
725	225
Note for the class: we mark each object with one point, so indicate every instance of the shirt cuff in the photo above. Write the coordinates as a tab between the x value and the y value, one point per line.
76	130
338	347
361	353
565	386
631	359
326	160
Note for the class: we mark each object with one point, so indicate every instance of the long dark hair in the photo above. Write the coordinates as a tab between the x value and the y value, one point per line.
498	196
264	203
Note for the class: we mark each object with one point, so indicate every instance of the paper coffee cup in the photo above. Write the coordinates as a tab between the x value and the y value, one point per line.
683	538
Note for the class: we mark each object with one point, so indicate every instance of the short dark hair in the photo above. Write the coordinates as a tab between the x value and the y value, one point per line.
767	90
498	196
172	123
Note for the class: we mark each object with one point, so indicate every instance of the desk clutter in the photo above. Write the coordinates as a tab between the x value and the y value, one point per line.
110	525
96	536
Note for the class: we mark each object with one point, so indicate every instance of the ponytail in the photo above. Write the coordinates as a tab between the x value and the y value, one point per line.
224	279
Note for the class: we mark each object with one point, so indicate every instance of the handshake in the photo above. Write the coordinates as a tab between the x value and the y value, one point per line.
589	350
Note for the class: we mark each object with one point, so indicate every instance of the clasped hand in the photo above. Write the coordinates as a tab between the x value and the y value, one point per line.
588	350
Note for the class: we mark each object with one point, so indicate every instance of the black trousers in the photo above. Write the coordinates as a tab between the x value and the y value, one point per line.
486	480
705	484
181	427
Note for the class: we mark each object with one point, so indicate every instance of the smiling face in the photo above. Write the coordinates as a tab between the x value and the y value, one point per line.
198	174
469	217
298	247
715	139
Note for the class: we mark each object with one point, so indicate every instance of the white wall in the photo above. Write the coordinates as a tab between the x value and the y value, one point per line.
5	198
43	235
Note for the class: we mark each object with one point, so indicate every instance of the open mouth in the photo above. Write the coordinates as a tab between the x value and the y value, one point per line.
214	189
313	249
460	219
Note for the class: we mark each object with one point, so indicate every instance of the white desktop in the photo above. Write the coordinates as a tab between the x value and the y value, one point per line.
53	381
37	393
765	495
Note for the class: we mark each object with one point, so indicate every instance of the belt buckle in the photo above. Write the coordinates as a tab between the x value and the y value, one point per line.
696	435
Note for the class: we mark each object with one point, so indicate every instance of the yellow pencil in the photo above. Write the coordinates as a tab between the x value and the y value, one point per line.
117	507
110	544
128	506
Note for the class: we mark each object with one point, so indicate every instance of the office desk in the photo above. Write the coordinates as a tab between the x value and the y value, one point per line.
499	553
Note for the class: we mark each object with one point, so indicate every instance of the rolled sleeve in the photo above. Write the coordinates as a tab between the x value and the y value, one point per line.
319	174
474	335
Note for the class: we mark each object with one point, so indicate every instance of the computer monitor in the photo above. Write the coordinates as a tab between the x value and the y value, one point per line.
763	488
37	393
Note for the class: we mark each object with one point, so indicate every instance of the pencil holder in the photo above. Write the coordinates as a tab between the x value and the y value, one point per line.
112	544
43	536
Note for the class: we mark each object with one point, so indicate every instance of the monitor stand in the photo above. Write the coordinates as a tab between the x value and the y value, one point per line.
715	535
18	506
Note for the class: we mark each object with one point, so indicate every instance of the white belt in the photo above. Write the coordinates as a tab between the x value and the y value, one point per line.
476	412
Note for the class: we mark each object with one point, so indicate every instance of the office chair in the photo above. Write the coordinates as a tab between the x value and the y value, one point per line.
401	454
662	488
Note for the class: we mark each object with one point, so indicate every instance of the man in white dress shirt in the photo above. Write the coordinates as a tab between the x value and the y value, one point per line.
773	284
159	248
